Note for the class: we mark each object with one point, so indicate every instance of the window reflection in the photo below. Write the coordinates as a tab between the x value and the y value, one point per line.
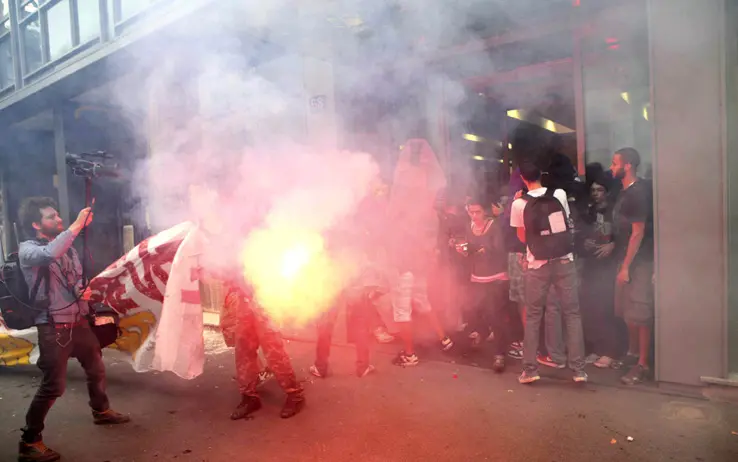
89	19
4	9
60	29
31	36
129	8
616	83
6	63
28	8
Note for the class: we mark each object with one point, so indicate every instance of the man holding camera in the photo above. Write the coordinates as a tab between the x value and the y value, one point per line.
53	271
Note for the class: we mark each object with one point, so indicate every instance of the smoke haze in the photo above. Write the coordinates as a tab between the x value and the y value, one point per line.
237	146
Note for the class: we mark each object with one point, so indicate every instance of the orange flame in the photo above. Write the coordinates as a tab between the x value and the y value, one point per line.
294	278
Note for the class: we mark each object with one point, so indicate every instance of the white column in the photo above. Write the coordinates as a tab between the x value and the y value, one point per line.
320	104
60	154
319	80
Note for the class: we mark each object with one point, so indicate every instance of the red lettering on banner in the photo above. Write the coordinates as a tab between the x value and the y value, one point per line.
113	290
196	274
191	296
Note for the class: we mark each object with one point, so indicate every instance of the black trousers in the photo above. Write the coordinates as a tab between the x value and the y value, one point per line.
56	345
489	312
604	333
360	313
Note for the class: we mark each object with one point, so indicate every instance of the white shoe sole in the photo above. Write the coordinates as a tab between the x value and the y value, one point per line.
529	380
367	371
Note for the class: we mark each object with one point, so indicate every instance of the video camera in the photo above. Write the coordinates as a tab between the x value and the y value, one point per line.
92	164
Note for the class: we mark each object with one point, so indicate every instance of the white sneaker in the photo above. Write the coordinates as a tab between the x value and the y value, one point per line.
383	336
604	362
406	360
369	369
317	372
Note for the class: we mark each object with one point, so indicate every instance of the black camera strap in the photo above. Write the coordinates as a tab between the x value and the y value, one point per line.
44	273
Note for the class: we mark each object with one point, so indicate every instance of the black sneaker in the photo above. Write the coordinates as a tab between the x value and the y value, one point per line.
406	360
629	361
247	406
635	375
109	417
499	364
293	405
516	350
529	377
36	452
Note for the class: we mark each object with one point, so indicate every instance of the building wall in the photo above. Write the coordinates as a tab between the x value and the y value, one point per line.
27	157
731	107
689	163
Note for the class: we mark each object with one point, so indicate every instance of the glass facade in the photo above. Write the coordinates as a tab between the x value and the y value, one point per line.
6	53
59	26
616	87
127	9
579	74
88	12
31	43
54	31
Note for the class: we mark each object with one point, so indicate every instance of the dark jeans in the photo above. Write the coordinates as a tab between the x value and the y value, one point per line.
56	346
490	313
359	316
604	333
560	276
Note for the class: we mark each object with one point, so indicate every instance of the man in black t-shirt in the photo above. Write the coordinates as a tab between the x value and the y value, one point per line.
633	247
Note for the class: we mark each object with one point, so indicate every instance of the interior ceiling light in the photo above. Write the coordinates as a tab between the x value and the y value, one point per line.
478	158
474	138
354	21
350	22
625	96
548	124
645	111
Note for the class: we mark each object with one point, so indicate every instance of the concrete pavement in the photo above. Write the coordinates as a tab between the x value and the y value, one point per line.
438	411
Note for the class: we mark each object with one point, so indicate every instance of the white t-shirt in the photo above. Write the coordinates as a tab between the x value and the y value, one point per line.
517	221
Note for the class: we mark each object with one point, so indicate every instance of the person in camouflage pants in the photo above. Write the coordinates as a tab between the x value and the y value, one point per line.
246	327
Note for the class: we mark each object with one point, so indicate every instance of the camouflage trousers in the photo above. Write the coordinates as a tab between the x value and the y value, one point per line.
254	329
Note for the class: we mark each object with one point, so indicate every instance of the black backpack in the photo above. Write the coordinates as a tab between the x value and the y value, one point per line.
548	231
16	304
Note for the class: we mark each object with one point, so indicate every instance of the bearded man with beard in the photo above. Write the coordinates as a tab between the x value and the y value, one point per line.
633	247
53	272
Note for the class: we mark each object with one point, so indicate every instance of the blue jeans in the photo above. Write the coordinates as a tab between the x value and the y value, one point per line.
560	276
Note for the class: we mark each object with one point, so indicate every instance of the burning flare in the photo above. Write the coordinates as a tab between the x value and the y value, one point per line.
294	278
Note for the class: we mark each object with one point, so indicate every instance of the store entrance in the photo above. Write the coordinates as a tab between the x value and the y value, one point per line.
513	120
